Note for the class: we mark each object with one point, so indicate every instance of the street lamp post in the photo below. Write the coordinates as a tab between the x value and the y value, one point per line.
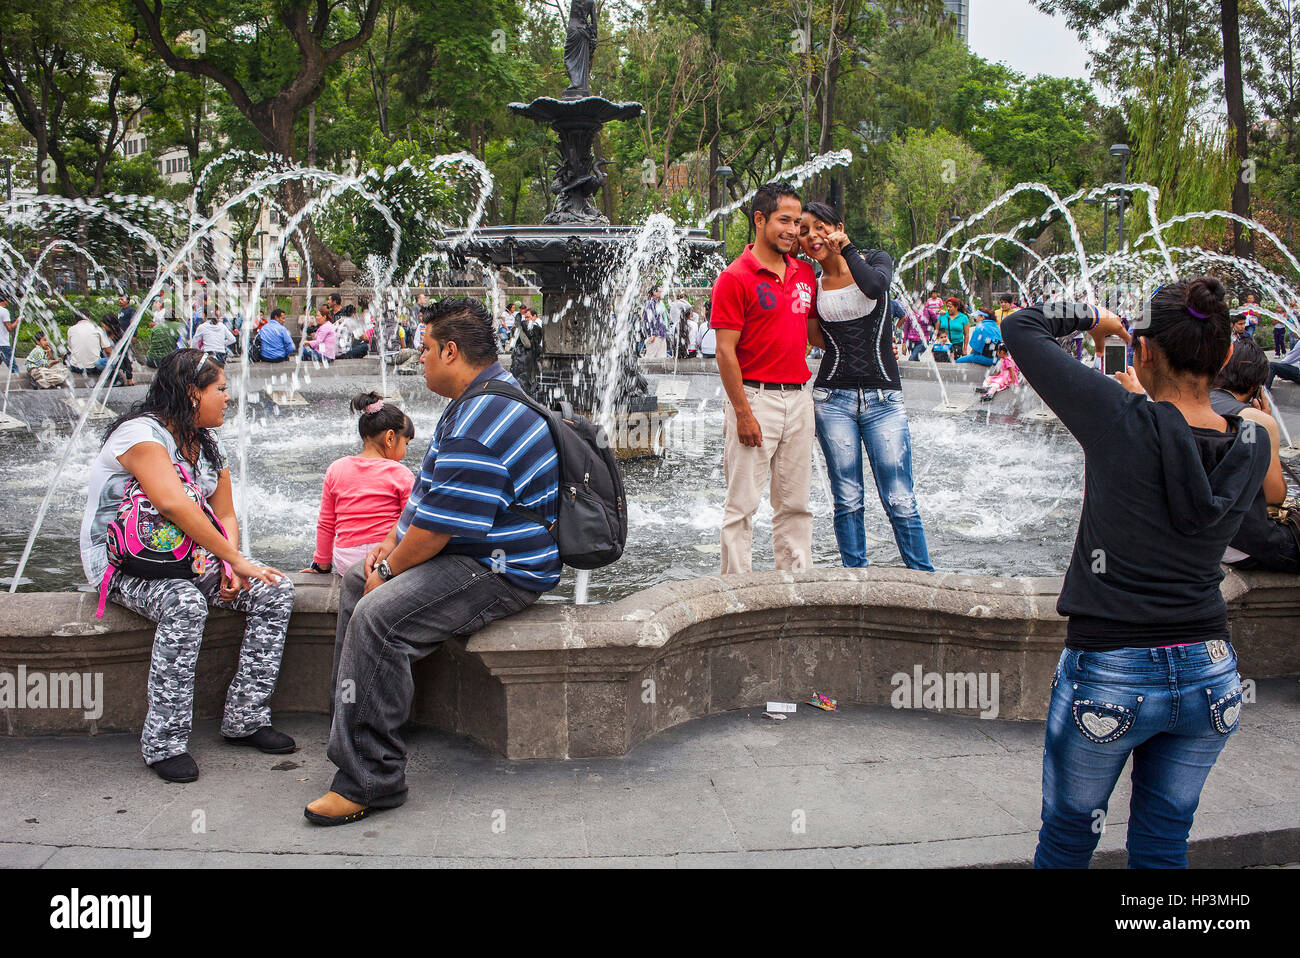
1121	152
722	173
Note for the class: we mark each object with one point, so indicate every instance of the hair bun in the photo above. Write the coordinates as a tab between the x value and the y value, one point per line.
362	400
1206	298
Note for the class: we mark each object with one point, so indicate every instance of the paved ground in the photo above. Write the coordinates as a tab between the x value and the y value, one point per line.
866	786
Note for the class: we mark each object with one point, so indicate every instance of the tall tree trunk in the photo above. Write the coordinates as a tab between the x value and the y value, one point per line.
1242	245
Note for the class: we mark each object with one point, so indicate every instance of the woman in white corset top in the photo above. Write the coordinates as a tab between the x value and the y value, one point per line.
857	395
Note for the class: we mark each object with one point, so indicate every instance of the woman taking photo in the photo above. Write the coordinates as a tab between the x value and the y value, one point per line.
857	395
168	434
1147	669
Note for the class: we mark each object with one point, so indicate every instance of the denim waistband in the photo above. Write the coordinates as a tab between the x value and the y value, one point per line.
1182	658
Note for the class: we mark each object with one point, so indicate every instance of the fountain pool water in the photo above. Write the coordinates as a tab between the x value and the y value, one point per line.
999	499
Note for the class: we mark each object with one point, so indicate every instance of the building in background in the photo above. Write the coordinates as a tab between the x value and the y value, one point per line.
961	10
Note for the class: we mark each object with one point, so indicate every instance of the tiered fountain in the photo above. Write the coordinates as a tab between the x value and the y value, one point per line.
574	254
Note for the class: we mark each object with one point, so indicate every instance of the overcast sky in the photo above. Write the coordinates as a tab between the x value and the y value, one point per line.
1014	32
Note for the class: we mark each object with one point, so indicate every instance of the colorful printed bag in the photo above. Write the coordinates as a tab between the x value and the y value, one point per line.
142	543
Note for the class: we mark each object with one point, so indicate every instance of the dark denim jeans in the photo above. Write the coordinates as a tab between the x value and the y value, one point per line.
1287	371
1172	709
848	419
380	636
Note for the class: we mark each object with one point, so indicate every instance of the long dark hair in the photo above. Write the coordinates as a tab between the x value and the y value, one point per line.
169	401
1190	323
388	416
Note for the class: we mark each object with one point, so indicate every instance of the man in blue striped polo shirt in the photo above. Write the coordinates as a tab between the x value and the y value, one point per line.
457	559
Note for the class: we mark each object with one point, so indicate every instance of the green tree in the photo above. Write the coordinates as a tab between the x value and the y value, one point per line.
271	57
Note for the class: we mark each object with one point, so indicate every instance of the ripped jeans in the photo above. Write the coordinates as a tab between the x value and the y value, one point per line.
1172	709
847	420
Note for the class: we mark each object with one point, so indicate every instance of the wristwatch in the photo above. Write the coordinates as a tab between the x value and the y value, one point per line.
383	571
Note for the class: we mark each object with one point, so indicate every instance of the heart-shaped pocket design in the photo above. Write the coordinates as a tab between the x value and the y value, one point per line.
1099	725
1230	715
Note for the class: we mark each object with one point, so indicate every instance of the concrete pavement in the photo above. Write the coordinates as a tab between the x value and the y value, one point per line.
865	786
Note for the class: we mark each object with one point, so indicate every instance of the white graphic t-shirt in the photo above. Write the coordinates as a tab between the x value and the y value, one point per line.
108	484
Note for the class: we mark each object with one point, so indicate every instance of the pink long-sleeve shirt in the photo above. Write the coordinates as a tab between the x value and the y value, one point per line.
361	500
326	340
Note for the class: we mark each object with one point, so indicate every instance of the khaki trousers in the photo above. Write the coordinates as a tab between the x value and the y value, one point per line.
48	377
784	463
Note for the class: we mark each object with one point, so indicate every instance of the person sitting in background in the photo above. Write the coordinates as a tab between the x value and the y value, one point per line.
1003	375
125	371
163	337
213	337
941	349
984	339
363	495
1288	367
1269	537
42	366
324	344
88	347
351	344
274	342
706	338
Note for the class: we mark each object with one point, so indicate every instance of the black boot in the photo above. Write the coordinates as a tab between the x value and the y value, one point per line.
178	768
265	739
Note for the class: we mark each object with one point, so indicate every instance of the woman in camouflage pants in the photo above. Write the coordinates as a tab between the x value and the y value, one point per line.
171	429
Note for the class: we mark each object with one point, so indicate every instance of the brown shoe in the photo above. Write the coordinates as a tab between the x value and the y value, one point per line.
333	809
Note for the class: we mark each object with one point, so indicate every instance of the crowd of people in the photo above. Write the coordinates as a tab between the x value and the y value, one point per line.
1178	446
335	331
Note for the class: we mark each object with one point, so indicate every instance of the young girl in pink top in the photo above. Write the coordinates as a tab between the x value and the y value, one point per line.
1003	376
364	494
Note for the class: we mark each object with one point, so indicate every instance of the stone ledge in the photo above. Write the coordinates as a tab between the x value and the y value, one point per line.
565	681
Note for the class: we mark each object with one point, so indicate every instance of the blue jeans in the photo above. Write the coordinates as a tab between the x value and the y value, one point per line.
917	349
7	356
1172	709
848	419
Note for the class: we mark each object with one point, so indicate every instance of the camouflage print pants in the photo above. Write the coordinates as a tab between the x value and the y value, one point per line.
180	607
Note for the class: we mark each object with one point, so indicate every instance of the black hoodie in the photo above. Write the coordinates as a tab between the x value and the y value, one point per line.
1161	501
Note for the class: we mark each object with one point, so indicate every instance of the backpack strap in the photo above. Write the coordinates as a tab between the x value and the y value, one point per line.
499	387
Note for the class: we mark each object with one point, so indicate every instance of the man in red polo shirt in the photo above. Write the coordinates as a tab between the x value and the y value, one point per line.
762	304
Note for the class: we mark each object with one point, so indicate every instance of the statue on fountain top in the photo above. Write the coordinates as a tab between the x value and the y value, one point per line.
579	46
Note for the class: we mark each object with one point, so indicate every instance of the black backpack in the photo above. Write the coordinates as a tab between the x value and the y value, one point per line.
591	527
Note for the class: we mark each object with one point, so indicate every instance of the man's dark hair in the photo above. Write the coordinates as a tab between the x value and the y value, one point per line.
336	299
768	198
277	313
465	322
1246	371
1006	298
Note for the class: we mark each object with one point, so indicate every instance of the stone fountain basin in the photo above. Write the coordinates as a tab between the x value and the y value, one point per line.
572	245
565	681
